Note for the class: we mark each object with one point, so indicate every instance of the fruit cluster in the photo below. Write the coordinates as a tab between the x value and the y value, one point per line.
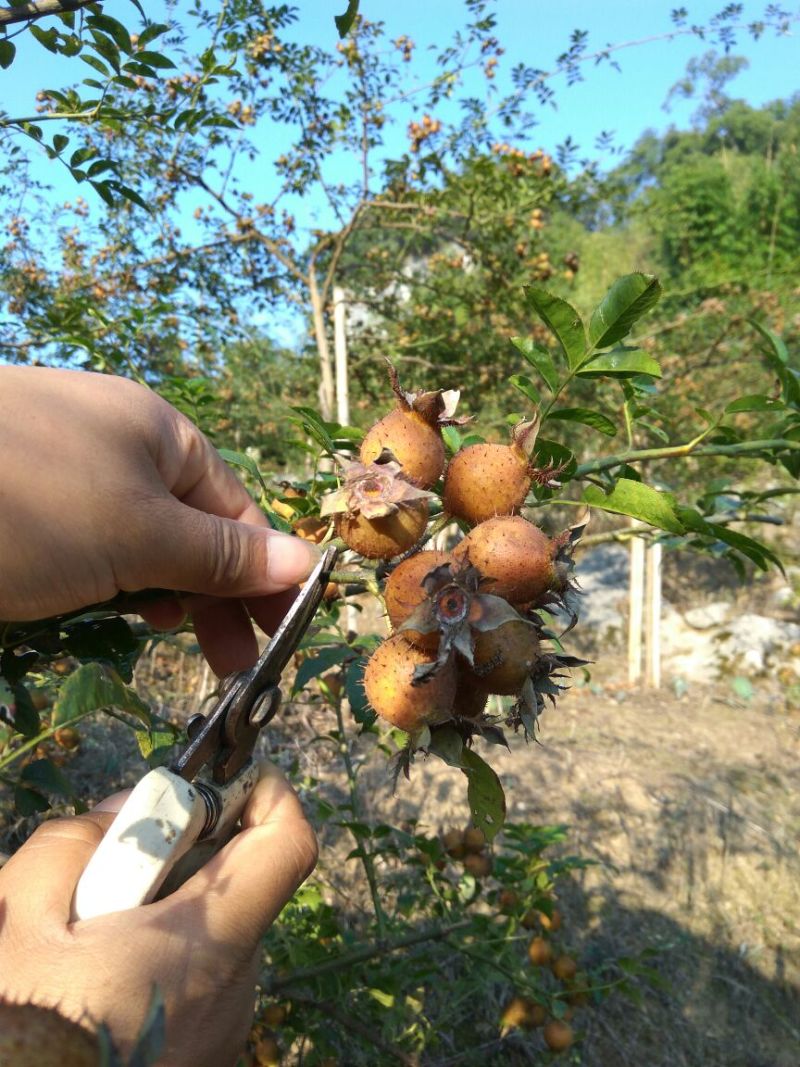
469	846
464	623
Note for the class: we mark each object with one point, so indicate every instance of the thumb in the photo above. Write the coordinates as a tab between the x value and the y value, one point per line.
201	553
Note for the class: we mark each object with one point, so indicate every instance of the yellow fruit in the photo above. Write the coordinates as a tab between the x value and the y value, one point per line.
404	593
267	1052
522	1012
67	737
453	843
275	1014
386	537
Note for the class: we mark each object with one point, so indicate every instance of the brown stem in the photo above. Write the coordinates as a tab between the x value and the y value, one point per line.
38	10
327	396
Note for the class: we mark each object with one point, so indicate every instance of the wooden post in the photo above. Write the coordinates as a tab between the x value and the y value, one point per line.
653	619
340	356
635	602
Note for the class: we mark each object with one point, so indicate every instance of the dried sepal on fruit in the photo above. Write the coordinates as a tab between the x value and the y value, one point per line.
543	681
391	689
412	432
461	614
377	512
484	480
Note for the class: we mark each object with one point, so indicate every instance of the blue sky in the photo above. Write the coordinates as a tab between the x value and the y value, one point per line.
534	32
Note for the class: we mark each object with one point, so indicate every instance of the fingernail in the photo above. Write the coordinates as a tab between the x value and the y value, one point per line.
290	560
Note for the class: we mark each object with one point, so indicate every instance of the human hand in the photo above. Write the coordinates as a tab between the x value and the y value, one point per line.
199	945
106	488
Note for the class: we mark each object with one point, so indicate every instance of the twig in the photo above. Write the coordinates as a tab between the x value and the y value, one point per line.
39	9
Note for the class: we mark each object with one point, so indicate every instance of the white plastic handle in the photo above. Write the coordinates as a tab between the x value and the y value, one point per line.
149	846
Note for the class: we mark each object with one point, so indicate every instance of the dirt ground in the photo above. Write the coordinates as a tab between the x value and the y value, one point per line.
692	809
690	805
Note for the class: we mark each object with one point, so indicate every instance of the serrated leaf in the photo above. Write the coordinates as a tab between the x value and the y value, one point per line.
587	416
623	363
628	299
149	33
639	501
97	64
95	686
539	357
562	319
487	801
526	387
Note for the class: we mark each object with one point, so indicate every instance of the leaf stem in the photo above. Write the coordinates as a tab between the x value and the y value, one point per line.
777	444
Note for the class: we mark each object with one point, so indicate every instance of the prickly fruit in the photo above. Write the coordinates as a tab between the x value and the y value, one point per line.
404	592
388	683
507	900
487	480
416	444
412	432
274	1014
470	700
540	952
267	1052
557	1035
67	737
377	513
31	1036
513	648
550	922
516	555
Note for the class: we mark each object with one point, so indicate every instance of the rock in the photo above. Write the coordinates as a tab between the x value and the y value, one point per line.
753	639
703	618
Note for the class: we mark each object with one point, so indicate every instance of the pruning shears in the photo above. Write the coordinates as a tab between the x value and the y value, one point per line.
177	817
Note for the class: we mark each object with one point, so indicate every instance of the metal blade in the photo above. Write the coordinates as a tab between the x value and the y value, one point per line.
272	661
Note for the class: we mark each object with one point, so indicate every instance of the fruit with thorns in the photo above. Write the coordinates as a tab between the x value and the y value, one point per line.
485	480
412	432
389	683
516	558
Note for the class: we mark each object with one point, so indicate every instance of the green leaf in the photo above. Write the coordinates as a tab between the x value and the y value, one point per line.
451	438
554	454
7	52
448	745
562	319
315	428
778	358
156	741
97	64
527	388
639	501
28	801
595	419
107	49
26	717
113	28
754	402
94	686
108	640
149	33
314	666
47	38
623	363
345	21
15	665
742	687
151	1038
539	357
155	59
626	301
487	801
43	776
60	142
